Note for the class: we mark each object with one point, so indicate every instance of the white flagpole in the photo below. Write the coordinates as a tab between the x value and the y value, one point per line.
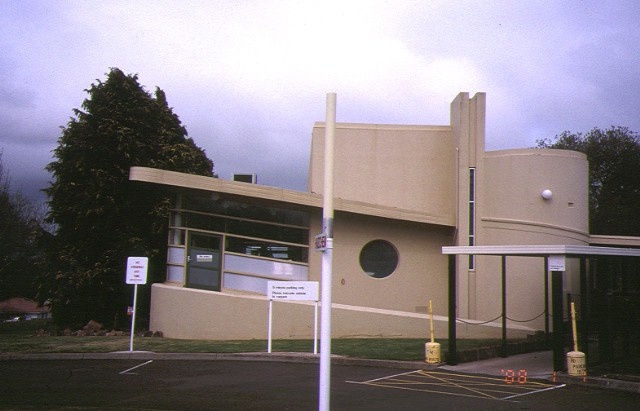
327	256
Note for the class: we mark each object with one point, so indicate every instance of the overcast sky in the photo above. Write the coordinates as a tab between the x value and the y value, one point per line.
249	78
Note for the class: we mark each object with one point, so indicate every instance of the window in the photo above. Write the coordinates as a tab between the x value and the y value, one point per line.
256	243
472	215
379	258
249	229
252	246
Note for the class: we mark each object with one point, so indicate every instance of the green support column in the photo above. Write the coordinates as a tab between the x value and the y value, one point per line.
452	356
584	303
558	323
504	306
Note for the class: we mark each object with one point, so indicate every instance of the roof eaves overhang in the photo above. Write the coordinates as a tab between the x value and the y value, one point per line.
281	195
614	240
541	250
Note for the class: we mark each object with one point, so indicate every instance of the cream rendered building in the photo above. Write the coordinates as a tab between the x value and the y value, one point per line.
401	194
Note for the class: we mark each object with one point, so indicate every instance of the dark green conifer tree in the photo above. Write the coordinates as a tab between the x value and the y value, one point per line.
100	216
614	177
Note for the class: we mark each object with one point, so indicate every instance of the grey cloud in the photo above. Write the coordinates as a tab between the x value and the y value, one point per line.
567	65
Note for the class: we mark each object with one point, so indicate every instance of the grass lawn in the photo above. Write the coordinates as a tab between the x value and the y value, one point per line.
20	337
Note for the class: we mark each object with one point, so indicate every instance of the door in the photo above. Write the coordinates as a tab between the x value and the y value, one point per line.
203	261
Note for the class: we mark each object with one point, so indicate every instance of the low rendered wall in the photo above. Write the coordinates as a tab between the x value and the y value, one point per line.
197	314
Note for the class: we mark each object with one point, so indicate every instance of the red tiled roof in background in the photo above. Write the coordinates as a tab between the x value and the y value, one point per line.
21	305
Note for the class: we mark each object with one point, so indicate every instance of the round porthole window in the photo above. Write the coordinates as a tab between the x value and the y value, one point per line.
379	258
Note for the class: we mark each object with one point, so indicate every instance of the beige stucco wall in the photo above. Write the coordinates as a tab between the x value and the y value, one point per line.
421	273
408	167
512	186
467	121
424	169
187	313
511	210
395	306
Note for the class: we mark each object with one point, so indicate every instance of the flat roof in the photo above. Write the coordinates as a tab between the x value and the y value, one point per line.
281	195
541	250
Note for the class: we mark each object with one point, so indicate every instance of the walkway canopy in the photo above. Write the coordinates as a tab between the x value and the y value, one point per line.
554	256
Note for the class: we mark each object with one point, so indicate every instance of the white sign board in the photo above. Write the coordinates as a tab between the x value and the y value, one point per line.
137	270
292	290
204	258
557	263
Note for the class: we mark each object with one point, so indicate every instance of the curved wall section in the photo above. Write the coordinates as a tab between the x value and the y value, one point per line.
512	193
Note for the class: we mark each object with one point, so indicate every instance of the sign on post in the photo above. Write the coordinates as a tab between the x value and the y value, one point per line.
293	291
137	270
321	242
136	274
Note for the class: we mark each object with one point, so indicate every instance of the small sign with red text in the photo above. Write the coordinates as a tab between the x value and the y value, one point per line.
137	270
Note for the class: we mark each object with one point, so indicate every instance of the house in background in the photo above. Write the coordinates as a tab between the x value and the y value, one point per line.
22	309
402	192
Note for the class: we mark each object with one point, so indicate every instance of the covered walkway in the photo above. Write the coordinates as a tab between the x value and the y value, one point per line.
555	258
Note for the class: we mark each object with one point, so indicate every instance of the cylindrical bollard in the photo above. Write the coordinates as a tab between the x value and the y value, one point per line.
576	360
432	352
576	363
431	349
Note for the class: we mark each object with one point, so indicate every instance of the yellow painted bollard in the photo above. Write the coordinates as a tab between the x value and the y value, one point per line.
576	363
432	352
431	349
576	360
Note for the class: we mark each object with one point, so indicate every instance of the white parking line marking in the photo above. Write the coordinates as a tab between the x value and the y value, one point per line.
137	366
461	385
533	392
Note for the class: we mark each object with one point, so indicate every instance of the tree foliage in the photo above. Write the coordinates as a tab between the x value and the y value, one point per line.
19	229
614	177
101	216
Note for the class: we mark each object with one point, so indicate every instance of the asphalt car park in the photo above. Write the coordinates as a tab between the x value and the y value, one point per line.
463	385
108	384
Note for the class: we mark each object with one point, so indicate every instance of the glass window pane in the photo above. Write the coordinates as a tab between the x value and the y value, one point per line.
379	258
